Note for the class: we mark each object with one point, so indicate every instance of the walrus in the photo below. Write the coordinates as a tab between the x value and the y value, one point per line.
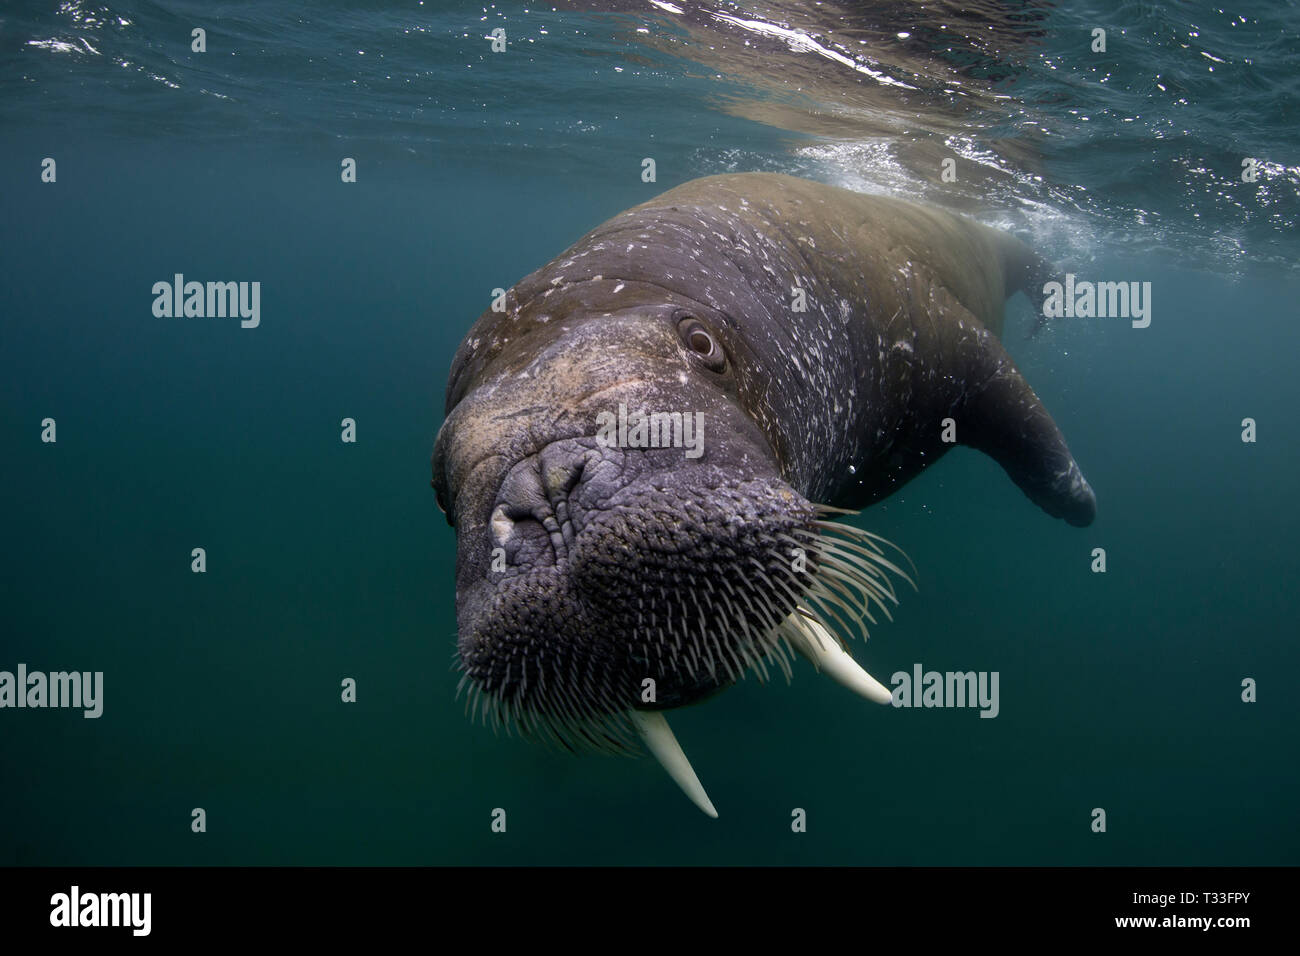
821	346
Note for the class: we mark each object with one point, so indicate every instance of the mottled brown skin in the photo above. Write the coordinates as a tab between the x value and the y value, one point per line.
839	404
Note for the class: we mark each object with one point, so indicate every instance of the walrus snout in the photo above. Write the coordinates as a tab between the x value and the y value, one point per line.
624	582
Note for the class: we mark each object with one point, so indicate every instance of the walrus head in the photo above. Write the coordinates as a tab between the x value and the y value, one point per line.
627	538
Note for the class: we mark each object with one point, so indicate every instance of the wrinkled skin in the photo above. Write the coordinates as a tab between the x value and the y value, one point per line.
622	564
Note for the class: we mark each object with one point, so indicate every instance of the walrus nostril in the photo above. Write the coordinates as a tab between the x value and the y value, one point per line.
532	519
561	472
502	526
521	493
526	541
537	486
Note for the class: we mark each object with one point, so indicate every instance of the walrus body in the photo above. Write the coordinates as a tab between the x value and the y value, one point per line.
821	337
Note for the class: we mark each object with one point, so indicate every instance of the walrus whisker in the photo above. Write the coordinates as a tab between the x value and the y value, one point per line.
831	590
705	634
852	578
779	643
762	573
832	510
729	627
781	575
829	580
777	652
819	582
748	651
826	600
769	622
851	531
680	632
866	542
768	645
733	674
869	561
578	709
692	659
849	583
572	731
825	538
889	565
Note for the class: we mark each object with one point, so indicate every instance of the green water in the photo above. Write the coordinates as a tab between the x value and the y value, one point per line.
328	560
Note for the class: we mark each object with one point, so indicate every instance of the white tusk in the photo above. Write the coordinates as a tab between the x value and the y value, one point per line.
658	737
811	639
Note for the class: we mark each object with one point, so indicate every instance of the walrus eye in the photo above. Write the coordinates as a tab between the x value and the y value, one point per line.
699	340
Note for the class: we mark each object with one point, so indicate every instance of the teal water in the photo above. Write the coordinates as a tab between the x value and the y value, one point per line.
329	560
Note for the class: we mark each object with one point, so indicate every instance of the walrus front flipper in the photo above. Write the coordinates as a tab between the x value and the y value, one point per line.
1005	419
1024	270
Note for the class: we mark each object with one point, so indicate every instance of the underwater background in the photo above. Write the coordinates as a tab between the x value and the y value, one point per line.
329	560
